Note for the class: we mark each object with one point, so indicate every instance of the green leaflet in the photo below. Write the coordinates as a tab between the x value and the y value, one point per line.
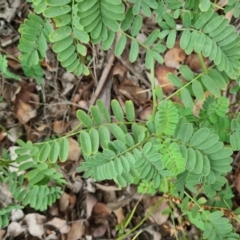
136	26
130	112
120	45
84	118
64	148
133	51
86	143
54	152
117	110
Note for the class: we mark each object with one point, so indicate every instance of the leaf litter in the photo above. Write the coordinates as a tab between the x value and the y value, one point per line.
86	209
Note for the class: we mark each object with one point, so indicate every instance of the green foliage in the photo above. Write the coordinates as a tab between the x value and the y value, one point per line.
4	69
174	150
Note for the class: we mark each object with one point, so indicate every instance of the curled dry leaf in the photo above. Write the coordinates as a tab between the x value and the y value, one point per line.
64	202
26	102
194	64
119	70
74	150
35	222
174	57
146	111
14	229
17	215
161	75
60	126
120	215
133	92
91	201
13	134
156	216
59	224
76	231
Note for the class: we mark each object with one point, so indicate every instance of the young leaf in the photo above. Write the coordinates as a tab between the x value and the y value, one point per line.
64	149
136	26
117	110
54	152
94	140
130	112
120	45
186	98
44	153
85	143
84	118
133	51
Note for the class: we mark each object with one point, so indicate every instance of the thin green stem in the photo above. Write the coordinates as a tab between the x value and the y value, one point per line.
153	208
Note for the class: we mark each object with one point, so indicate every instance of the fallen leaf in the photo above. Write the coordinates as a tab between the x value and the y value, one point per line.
101	210
35	222
26	102
76	231
17	215
2	233
194	64
91	201
119	214
64	202
2	135
161	75
133	92
14	229
74	150
59	224
60	127
156	216
174	57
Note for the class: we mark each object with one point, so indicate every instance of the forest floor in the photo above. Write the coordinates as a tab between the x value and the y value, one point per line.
87	209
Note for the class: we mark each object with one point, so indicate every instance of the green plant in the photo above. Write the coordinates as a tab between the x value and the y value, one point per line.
173	145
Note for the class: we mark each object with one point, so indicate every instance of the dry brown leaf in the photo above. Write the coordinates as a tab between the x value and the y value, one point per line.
2	135
72	200
119	214
60	127
25	112
76	231
2	233
91	201
101	210
64	202
26	102
161	75
133	92
59	224
174	57
194	64
156	216
145	112
74	150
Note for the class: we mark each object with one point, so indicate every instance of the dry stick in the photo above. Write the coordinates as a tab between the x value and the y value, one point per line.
103	79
